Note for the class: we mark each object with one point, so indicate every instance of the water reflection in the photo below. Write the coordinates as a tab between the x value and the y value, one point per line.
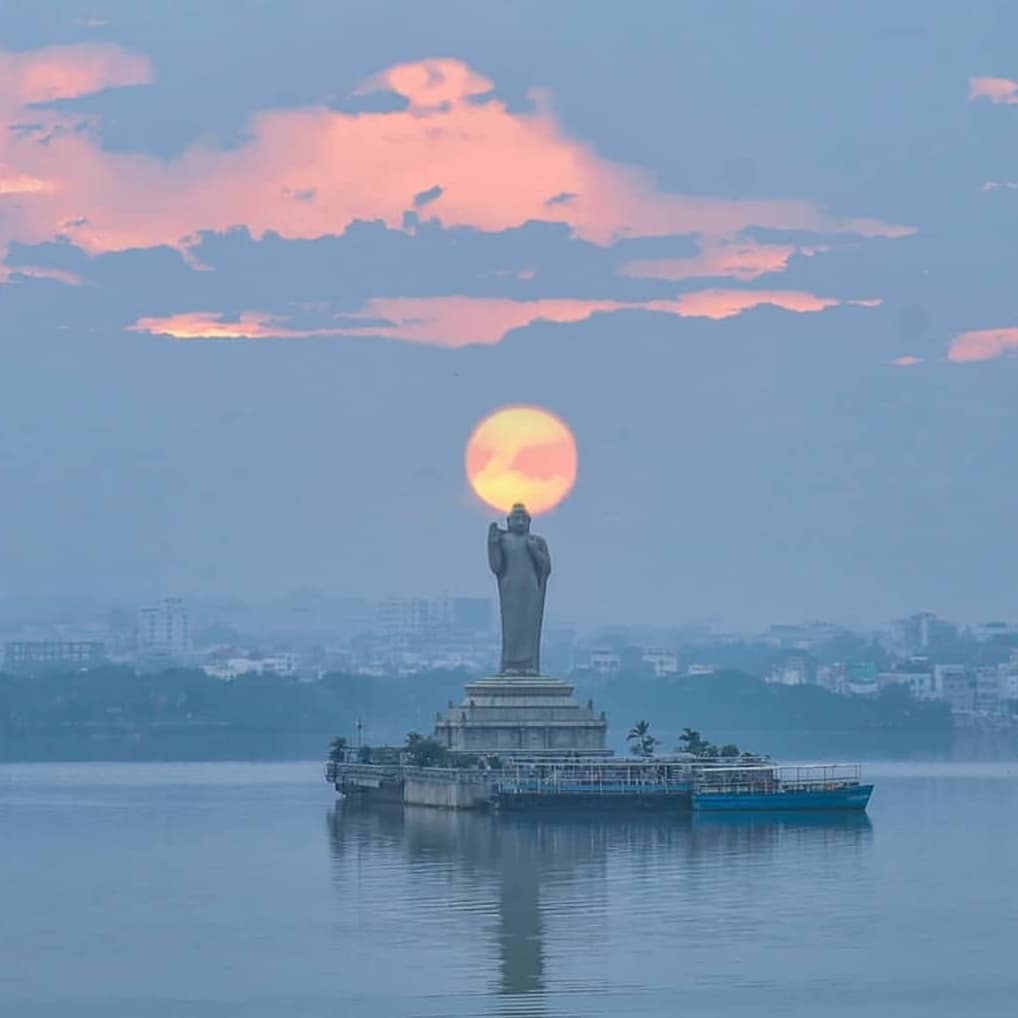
563	880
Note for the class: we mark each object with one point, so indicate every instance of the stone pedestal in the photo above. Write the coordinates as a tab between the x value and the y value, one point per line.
532	716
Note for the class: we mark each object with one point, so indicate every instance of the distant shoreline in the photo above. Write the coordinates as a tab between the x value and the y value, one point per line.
206	747
116	714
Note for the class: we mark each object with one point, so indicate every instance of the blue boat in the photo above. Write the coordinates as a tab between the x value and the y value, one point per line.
785	789
855	798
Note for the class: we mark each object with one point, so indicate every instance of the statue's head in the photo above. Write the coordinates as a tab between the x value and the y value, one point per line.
518	519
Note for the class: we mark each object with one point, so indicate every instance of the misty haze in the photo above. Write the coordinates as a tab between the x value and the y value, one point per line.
508	508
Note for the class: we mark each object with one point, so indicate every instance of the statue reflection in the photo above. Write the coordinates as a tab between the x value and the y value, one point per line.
538	871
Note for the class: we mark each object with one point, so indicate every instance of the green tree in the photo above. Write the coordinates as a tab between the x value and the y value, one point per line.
729	750
692	742
641	742
337	749
425	751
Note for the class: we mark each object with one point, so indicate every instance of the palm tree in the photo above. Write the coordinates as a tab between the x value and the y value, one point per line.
337	749
692	742
641	742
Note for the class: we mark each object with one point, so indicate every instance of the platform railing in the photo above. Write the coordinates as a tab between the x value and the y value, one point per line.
784	778
598	777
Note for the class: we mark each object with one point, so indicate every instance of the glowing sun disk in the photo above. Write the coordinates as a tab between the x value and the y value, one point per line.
521	454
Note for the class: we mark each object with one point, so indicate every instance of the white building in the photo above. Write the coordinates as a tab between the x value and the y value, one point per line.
701	669
605	662
283	665
919	684
793	672
664	662
988	688
164	629
955	685
1009	684
947	677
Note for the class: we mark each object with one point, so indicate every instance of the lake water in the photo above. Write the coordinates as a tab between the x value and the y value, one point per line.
135	891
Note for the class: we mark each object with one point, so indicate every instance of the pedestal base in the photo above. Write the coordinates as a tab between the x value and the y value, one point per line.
508	715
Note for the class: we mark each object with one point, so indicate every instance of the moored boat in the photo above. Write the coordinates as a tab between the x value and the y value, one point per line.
775	788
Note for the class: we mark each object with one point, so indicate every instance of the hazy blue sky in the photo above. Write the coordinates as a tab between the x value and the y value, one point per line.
760	257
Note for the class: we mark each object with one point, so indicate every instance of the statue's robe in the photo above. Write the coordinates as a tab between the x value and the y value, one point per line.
522	564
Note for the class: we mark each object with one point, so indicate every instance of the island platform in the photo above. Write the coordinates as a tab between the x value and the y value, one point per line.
657	783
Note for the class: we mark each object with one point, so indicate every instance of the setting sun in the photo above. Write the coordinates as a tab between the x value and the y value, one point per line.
521	454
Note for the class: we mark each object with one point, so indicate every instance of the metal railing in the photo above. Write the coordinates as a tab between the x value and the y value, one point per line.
771	779
556	776
550	776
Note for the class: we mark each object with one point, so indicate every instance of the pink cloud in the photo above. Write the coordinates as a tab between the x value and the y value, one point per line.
1000	185
210	325
458	321
306	173
908	361
543	461
726	303
67	72
720	257
39	272
19	183
982	345
997	90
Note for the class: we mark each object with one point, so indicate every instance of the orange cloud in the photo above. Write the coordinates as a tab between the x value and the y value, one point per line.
997	90
19	183
209	325
310	172
460	321
982	345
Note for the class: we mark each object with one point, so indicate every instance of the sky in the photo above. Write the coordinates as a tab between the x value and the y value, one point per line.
265	266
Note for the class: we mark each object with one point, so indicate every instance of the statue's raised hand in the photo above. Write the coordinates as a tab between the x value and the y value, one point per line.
495	557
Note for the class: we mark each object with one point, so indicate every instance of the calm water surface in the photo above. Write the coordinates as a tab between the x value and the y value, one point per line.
129	891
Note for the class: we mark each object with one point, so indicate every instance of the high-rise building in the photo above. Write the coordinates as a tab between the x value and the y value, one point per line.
164	629
955	685
403	617
919	633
